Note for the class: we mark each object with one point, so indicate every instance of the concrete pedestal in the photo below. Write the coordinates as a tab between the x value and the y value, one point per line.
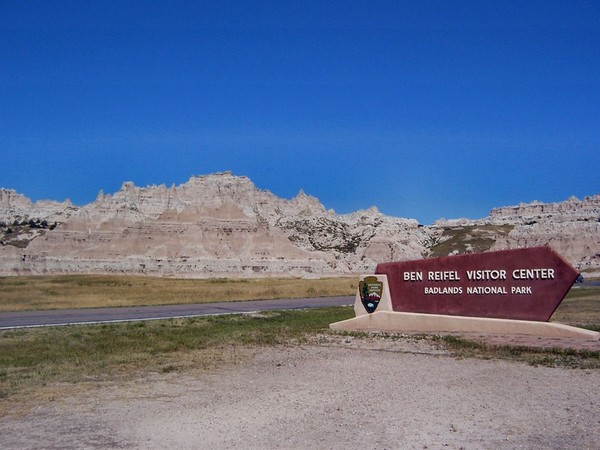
384	318
400	322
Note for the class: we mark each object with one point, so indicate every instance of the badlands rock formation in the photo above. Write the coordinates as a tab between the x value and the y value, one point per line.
215	225
222	225
571	227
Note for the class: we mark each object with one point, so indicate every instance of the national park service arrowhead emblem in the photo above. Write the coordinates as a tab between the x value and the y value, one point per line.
370	293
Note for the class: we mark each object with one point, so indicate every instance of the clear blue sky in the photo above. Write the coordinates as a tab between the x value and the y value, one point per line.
426	109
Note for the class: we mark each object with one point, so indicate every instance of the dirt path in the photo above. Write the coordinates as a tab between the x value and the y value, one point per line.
344	394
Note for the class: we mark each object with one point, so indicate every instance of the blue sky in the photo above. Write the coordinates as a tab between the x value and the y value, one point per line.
426	109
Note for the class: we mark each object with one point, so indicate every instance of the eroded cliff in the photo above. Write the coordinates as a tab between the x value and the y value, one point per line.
223	225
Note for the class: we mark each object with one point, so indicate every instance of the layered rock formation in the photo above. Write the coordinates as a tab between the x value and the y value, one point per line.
223	225
571	227
215	225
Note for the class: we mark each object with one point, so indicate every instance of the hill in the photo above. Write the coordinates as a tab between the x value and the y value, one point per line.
223	225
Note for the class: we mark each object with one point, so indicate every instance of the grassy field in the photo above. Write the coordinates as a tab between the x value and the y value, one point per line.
89	291
33	358
581	307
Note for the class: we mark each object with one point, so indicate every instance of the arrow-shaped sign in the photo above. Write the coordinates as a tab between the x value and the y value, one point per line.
526	284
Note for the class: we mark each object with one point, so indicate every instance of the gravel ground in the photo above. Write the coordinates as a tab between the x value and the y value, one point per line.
344	393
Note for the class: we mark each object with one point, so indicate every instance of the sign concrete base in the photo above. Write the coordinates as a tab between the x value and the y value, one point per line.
399	322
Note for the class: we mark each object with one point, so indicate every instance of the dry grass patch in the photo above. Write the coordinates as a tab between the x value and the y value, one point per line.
469	239
89	291
581	308
549	357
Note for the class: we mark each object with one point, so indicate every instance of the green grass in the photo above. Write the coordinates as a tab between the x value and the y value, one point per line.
30	358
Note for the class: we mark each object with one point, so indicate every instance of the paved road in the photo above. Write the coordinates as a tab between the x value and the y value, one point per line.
587	284
102	315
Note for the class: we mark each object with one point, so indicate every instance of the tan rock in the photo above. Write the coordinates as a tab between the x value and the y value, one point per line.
223	225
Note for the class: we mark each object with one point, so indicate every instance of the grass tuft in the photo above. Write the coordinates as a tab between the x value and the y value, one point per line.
550	357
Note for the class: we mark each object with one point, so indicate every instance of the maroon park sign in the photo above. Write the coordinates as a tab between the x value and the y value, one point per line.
526	284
